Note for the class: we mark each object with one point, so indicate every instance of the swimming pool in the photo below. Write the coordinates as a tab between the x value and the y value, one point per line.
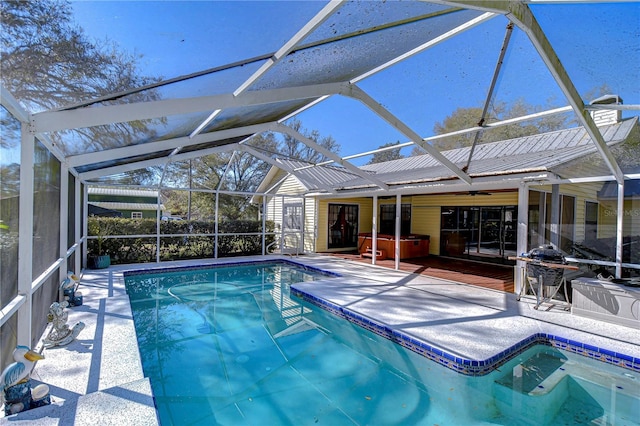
230	345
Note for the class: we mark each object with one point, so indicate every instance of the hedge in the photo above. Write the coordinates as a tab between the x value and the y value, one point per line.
189	245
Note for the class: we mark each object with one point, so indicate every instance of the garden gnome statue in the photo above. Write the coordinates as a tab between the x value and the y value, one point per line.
69	287
15	383
60	333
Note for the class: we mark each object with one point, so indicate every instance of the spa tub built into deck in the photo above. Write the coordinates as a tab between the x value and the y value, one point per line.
411	246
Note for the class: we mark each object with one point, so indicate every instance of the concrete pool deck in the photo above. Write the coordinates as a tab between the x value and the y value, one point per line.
98	378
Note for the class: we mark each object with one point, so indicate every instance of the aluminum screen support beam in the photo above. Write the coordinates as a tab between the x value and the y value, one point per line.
151	147
457	132
85	226
522	233
274	162
331	155
522	16
431	43
316	21
374	230
226	170
64	223
49	121
619	230
25	235
398	227
78	224
308	28
356	93
12	105
554	226
490	92
154	162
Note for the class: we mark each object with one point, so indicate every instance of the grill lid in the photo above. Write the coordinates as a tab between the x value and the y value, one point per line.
546	253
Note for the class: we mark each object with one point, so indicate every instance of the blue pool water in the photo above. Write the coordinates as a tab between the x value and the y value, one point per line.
229	345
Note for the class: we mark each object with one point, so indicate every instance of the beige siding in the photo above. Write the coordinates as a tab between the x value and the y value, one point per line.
310	230
291	186
583	193
425	220
607	218
452	200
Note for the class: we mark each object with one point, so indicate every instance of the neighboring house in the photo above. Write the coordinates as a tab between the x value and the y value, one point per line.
126	203
330	206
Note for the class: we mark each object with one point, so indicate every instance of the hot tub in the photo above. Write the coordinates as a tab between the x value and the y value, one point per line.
411	246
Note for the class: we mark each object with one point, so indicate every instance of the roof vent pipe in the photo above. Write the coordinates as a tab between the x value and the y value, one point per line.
603	117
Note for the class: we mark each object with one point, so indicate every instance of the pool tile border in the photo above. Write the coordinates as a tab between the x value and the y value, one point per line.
467	366
231	263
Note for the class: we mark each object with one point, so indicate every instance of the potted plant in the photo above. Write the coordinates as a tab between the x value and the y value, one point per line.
99	259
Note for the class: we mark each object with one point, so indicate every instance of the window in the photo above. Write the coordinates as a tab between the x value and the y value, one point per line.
567	222
292	216
343	226
590	220
540	223
136	215
388	219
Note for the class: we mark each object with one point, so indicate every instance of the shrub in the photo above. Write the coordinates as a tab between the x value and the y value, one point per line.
185	240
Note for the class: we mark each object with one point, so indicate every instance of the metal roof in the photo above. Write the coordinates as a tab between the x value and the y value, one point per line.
547	152
122	191
381	56
126	206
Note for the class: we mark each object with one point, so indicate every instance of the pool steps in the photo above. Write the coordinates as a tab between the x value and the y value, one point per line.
590	390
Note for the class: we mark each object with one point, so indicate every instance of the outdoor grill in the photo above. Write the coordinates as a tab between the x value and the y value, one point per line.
536	269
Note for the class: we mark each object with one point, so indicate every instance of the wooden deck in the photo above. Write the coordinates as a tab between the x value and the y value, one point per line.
497	277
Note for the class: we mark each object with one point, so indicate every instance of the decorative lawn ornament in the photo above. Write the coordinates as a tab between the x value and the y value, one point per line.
69	287
60	333
15	383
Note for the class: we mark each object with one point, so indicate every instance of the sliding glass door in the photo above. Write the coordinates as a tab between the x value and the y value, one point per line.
478	231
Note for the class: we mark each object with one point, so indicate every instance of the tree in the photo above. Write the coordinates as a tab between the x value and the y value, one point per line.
239	171
464	118
292	148
48	62
228	171
388	155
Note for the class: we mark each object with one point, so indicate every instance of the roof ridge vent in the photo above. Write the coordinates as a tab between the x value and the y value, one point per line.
604	117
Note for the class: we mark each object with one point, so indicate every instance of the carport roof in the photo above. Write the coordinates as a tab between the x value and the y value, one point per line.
344	49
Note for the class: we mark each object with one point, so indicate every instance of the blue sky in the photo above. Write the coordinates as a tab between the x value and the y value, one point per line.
598	43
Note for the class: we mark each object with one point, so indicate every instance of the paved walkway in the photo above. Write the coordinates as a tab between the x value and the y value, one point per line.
98	379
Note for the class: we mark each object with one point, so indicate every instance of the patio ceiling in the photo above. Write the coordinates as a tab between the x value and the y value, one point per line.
335	53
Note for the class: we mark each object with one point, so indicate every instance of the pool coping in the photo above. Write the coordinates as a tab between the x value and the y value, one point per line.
471	367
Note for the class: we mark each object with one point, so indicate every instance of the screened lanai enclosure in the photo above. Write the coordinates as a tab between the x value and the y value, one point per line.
170	130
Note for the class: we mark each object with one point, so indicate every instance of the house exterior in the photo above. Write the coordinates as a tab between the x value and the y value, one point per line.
126	203
547	192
